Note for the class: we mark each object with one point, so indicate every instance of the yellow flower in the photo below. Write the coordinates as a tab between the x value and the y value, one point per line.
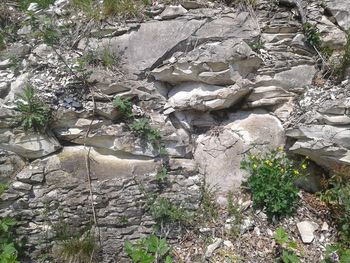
255	166
296	172
280	149
270	163
304	166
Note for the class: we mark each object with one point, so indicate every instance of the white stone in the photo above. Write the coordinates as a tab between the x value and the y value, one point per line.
306	230
211	248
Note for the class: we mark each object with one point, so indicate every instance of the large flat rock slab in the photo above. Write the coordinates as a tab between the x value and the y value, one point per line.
219	153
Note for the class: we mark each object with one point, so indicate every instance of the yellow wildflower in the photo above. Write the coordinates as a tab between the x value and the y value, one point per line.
280	149
255	166
296	172
304	166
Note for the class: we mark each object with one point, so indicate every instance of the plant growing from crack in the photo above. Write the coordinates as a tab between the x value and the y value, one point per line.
34	115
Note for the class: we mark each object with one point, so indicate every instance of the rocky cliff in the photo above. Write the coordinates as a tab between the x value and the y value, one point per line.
215	81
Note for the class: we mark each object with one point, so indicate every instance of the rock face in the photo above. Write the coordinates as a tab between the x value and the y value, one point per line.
58	185
220	151
29	146
217	63
204	97
324	135
341	11
214	82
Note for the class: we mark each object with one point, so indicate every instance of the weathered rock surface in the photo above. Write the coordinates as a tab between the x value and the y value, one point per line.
340	9
58	185
203	97
217	63
220	151
29	146
157	37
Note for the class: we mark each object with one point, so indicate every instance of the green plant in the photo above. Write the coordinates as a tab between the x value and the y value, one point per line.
235	214
162	176
88	7
124	105
127	8
149	250
345	61
123	220
287	255
271	182
257	44
338	199
3	188
107	58
143	128
49	35
163	211
8	251
313	36
33	114
77	249
209	210
337	253
2	41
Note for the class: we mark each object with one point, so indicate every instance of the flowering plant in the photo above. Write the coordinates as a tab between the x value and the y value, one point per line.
271	182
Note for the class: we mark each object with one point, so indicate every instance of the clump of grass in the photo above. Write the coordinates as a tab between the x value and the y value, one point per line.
126	8
209	209
77	249
87	7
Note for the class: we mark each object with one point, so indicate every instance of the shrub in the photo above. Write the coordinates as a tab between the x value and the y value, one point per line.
124	105
8	252
271	182
338	199
148	250
34	114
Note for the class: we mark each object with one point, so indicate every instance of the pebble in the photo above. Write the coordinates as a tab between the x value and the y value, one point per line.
211	248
